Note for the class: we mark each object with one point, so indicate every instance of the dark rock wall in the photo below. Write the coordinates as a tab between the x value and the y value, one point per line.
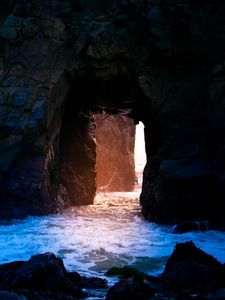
115	137
160	61
77	158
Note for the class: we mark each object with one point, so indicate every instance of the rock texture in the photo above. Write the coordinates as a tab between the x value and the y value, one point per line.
44	277
115	137
189	273
161	62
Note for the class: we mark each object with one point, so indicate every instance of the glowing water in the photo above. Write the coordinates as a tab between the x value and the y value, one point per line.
112	232
91	239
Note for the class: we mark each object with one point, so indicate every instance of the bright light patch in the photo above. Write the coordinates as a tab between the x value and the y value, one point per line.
139	151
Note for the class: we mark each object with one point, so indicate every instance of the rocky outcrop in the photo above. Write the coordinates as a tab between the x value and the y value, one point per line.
44	276
190	268
115	137
189	271
159	62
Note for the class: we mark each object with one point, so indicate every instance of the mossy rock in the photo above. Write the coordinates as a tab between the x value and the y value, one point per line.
124	272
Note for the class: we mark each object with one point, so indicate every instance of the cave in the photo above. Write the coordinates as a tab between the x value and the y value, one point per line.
158	63
96	143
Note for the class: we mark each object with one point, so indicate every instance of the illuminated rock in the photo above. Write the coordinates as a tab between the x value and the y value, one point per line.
115	170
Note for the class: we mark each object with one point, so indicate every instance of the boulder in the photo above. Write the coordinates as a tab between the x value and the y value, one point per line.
190	273
190	268
124	272
190	226
132	288
43	272
94	283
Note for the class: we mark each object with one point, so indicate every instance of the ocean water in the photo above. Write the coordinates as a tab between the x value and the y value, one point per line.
91	239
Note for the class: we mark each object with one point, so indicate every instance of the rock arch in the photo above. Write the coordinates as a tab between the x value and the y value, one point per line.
166	59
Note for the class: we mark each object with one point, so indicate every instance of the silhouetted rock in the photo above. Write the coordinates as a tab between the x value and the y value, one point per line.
189	272
133	288
44	277
190	226
191	268
42	273
124	272
94	283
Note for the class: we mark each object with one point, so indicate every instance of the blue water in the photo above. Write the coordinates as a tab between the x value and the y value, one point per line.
91	239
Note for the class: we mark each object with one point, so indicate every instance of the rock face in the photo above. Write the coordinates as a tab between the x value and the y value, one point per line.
115	137
161	62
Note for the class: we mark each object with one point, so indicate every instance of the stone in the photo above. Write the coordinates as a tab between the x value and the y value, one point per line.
9	30
160	61
121	21
11	296
54	28
132	288
124	272
218	295
183	169
189	273
190	268
8	156
191	226
29	27
94	283
43	272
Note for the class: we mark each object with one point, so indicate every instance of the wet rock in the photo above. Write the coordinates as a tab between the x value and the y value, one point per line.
190	268
9	29
189	273
93	283
219	295
124	272
11	296
190	226
43	272
44	277
121	21
132	288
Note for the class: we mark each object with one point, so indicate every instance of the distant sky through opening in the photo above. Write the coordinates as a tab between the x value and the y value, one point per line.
139	151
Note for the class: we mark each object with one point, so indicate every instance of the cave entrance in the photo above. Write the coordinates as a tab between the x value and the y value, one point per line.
99	152
97	140
139	154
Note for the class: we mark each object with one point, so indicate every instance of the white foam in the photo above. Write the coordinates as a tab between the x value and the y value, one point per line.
94	238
